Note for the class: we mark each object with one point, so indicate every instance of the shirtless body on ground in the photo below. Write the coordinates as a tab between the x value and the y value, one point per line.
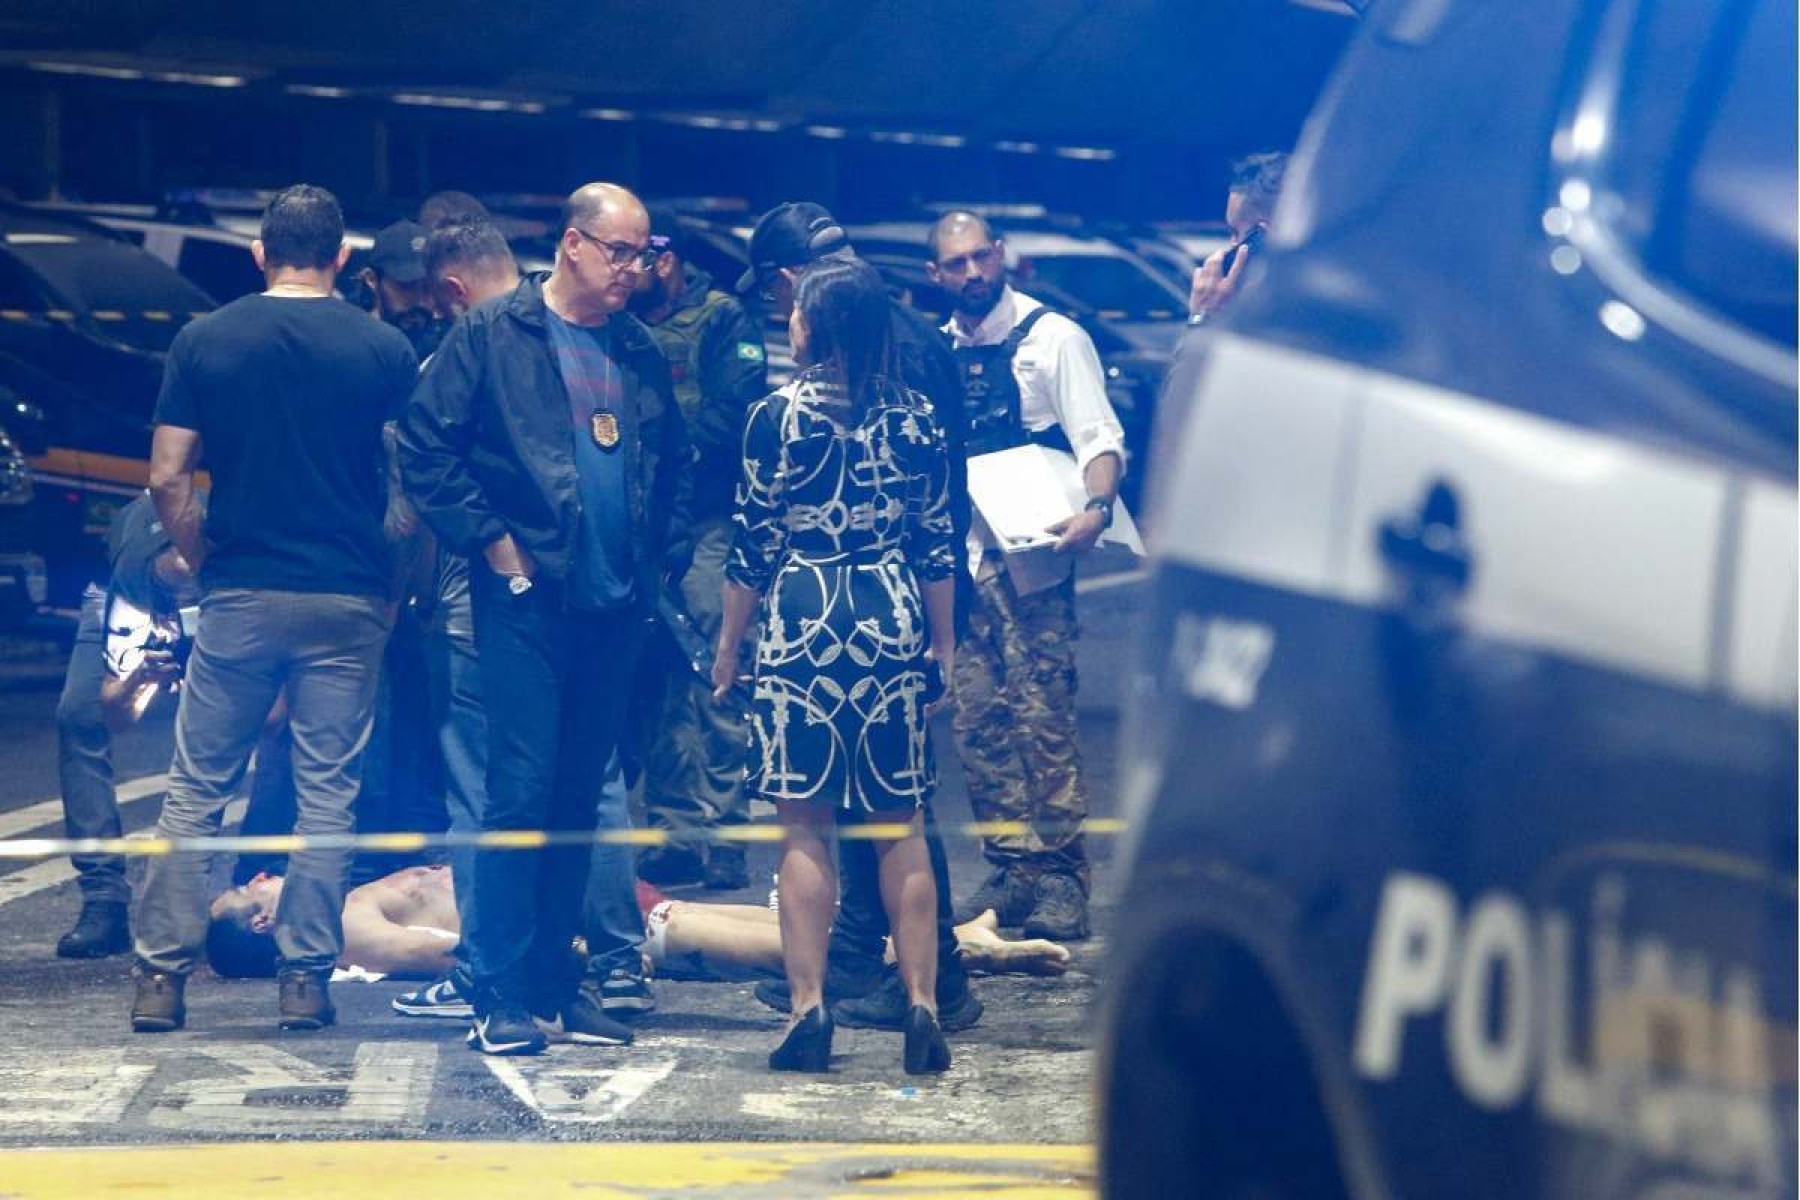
406	924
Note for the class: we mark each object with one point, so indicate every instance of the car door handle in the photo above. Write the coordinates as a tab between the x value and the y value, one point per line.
1427	547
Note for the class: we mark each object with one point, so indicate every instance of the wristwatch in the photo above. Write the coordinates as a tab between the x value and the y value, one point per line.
518	585
1104	506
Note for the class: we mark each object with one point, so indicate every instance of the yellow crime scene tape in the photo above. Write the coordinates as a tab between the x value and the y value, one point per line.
140	846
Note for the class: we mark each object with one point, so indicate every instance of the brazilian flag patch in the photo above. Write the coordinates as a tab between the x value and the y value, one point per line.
750	351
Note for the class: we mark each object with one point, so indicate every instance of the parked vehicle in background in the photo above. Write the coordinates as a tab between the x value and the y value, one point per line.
86	318
1460	767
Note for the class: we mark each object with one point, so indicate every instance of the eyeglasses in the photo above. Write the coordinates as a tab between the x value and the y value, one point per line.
623	255
962	263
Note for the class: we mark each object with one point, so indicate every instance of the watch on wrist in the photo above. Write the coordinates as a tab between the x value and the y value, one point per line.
1104	506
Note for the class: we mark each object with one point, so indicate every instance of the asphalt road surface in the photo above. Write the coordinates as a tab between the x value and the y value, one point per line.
72	1074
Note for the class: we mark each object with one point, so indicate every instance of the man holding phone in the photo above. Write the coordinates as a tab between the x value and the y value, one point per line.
1255	184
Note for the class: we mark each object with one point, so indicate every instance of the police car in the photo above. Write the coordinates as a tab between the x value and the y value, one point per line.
1460	765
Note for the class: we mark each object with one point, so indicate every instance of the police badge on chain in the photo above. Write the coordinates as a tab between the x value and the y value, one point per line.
603	425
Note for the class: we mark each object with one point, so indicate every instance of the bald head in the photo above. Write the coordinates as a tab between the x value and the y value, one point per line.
959	224
593	203
605	247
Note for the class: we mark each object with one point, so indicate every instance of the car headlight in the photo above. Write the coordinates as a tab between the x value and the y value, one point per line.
15	472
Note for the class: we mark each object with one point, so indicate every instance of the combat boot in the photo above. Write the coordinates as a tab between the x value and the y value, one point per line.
1008	891
159	1005
1061	911
305	1000
102	929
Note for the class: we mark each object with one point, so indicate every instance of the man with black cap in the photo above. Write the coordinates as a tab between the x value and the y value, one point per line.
786	239
694	759
393	286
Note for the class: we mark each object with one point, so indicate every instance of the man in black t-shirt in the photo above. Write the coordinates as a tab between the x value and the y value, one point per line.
285	392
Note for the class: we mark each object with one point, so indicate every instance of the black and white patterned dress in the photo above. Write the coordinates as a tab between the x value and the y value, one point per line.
838	525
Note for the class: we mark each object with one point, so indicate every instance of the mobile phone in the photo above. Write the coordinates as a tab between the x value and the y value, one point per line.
1253	242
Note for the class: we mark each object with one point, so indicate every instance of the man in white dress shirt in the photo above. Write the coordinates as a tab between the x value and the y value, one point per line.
1030	375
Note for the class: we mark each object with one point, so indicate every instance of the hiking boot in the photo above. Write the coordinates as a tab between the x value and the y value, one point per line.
305	999
583	1022
846	978
726	870
1008	891
440	999
1061	911
158	1005
103	929
888	1005
672	865
506	1028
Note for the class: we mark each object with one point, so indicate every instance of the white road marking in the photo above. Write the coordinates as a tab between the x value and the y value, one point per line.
71	1090
21	820
271	1091
54	871
568	1090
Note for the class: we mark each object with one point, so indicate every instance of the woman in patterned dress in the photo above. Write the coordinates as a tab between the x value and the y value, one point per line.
843	523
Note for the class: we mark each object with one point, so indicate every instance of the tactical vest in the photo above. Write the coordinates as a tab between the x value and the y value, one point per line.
991	395
679	339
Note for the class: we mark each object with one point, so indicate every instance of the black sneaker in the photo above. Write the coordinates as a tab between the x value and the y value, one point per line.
624	994
506	1029
158	1005
726	870
440	999
305	1001
582	1022
887	1006
845	979
1061	911
1008	891
100	931
672	865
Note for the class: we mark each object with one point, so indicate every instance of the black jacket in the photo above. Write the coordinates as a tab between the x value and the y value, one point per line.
486	444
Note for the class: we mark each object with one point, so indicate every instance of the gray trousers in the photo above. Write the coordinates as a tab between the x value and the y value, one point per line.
84	757
326	651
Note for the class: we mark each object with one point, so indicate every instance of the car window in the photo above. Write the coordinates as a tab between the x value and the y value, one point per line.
224	270
134	297
1100	282
1705	167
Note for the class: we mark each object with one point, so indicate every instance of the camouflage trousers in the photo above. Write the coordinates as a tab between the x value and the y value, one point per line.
695	752
1015	724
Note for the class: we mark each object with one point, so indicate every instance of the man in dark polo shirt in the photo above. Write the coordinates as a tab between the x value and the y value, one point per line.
284	393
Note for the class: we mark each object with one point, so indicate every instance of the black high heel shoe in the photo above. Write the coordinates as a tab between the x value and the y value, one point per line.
807	1047
926	1051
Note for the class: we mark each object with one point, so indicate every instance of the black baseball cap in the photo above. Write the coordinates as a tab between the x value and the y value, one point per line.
399	252
789	235
666	231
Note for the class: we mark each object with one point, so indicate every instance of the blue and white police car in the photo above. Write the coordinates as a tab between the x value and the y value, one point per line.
1460	764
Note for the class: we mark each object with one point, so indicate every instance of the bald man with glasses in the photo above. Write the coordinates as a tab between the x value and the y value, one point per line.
544	443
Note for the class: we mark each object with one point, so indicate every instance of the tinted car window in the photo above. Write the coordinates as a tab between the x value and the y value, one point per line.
95	275
1100	282
1727	234
224	269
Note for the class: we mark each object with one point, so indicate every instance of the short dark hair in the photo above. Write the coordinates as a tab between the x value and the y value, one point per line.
235	951
302	227
1258	178
475	240
441	208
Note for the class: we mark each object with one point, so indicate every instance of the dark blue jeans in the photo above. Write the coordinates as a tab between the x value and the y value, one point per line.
554	685
84	757
461	725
